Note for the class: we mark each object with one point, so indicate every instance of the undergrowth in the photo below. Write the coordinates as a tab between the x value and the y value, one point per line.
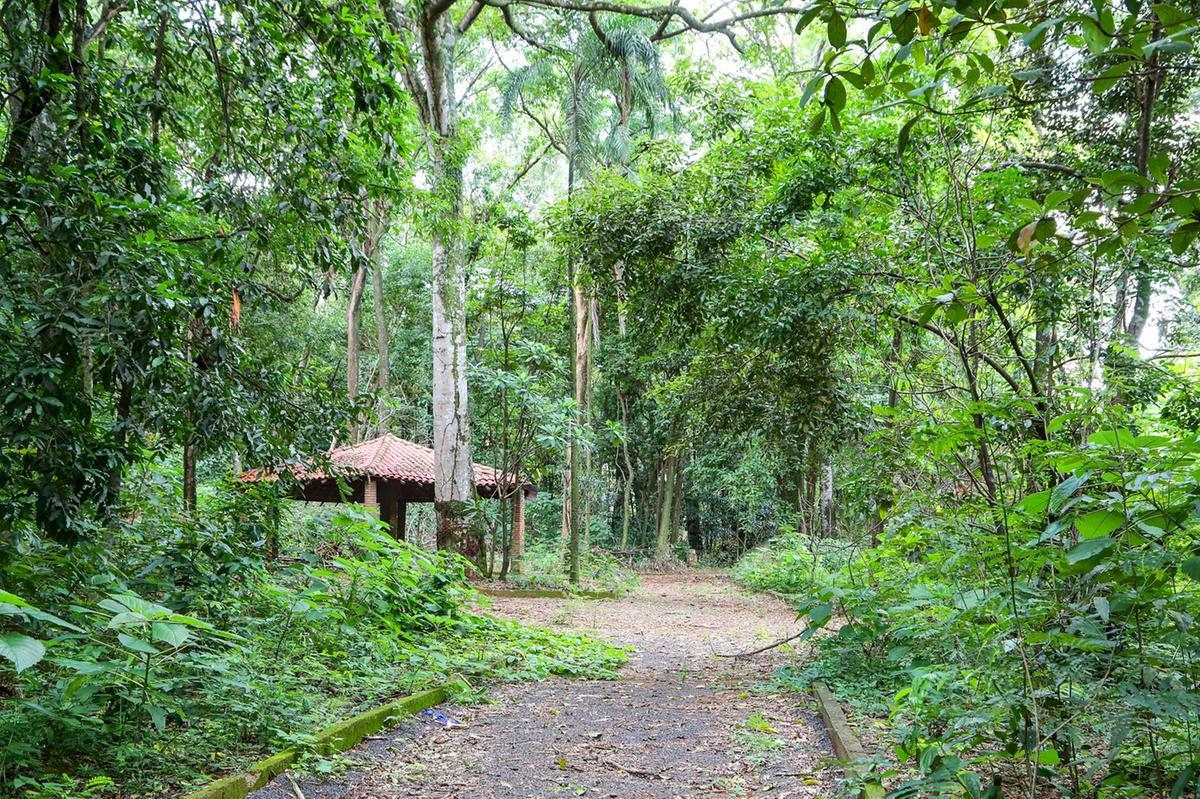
1049	644
149	667
545	568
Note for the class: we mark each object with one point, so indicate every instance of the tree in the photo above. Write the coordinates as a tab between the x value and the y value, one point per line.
161	180
432	35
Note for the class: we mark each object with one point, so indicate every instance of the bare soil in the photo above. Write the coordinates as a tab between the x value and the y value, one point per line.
680	723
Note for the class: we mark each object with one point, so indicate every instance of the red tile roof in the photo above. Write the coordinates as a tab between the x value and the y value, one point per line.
387	456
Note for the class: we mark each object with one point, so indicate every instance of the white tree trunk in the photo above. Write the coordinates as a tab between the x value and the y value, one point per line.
454	481
825	504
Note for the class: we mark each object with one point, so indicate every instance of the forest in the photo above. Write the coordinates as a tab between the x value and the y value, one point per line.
884	309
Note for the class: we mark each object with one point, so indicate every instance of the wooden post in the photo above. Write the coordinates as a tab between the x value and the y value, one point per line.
517	556
401	531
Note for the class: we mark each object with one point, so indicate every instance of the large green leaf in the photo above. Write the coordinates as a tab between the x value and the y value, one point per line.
821	613
136	644
1099	523
1088	550
1063	492
837	30
170	634
21	650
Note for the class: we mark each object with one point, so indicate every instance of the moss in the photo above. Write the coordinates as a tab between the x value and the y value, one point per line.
336	738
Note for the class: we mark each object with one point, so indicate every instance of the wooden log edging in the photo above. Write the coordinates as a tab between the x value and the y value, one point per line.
845	743
336	738
546	593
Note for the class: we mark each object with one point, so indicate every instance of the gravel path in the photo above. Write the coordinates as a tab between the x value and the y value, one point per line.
680	723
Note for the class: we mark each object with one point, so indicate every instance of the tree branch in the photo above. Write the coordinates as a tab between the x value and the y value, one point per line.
506	11
1042	165
664	14
760	650
952	339
469	17
107	15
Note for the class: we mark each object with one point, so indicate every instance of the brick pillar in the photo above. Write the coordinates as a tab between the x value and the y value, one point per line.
371	494
517	558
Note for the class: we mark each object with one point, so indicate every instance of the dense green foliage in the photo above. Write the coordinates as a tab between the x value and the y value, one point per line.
905	290
233	659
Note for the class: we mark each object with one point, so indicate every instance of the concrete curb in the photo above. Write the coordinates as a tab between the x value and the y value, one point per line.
337	738
845	743
547	593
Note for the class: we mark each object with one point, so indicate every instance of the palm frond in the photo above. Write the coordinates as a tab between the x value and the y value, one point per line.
536	76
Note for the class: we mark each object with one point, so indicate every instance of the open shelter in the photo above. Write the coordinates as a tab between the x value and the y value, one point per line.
387	473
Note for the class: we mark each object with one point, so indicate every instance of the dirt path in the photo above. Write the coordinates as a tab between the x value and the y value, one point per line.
681	723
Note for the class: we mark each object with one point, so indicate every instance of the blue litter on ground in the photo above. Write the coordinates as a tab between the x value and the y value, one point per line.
440	718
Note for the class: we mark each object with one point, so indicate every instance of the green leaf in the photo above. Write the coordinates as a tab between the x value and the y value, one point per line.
806	18
1029	75
905	133
1159	165
836	30
1183	781
21	650
1035	504
835	94
1088	550
1191	567
1170	15
1095	38
1168	47
172	634
1118	438
136	644
1099	523
157	715
13	599
1102	607
1048	757
821	614
970	782
1183	237
811	89
1063	492
904	27
1109	77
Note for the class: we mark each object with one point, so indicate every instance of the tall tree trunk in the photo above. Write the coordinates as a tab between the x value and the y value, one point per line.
382	338
677	510
651	492
627	501
353	342
695	537
578	376
826	504
1147	96
810	489
454	483
565	537
666	515
189	476
432	89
